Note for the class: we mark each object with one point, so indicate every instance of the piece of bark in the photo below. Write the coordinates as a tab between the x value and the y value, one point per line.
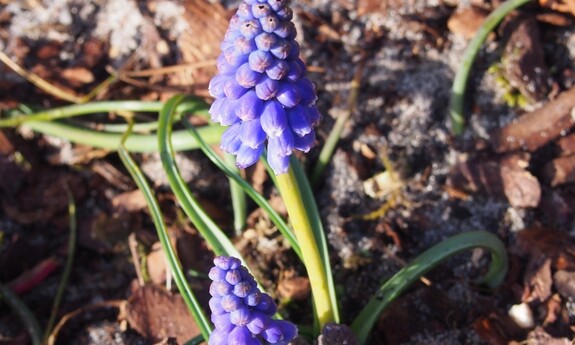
567	145
504	177
539	127
560	171
524	62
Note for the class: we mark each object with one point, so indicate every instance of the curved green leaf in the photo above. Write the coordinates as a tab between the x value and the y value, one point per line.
393	287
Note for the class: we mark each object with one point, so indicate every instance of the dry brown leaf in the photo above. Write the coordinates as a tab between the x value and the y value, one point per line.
537	280
504	176
156	264
488	331
552	309
548	242
131	201
78	75
6	147
293	288
564	6
157	314
467	21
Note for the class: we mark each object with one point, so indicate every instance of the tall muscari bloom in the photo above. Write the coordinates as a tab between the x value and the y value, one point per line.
261	90
242	315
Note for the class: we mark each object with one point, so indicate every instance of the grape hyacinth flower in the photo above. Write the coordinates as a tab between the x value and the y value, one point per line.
242	315
260	90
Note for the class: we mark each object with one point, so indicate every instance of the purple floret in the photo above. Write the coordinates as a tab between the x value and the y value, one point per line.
259	70
241	313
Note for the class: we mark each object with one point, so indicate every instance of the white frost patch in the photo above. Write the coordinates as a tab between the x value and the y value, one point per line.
121	21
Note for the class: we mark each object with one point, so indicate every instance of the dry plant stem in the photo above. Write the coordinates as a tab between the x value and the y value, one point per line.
64	320
67	267
331	141
170	69
133	245
51	89
38	81
312	260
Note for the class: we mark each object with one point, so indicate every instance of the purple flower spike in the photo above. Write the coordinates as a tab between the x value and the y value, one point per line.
248	320
261	88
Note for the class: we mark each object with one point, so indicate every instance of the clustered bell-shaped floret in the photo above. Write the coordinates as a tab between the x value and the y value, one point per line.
241	313
261	90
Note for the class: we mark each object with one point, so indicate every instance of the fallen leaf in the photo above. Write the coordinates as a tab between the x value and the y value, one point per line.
488	331
131	201
293	288
548	242
537	280
502	176
156	264
565	6
6	147
78	75
552	310
157	314
467	21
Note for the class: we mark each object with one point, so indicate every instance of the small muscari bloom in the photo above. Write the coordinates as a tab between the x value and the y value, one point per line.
261	90
241	313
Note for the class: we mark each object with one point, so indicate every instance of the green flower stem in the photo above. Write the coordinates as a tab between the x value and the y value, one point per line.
179	277
67	267
238	197
317	228
460	81
24	313
393	287
313	262
333	138
248	189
